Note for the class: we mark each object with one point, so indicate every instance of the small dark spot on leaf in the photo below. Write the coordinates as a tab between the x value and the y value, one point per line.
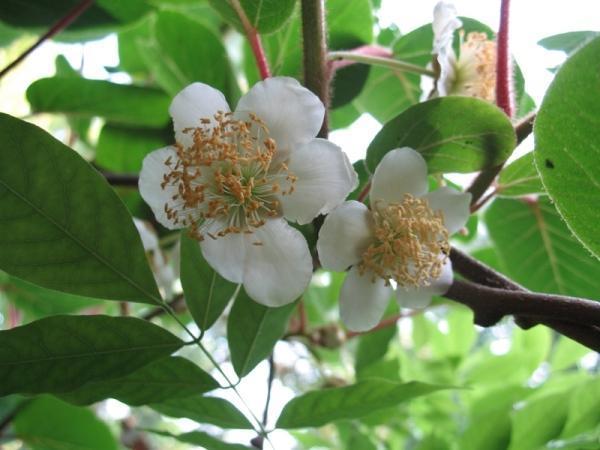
549	164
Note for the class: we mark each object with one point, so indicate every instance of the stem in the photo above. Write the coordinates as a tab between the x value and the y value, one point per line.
62	23
503	64
269	388
363	194
254	40
316	76
486	177
120	179
389	63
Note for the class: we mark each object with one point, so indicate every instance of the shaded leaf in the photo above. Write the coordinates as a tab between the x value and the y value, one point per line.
265	16
206	292
166	378
63	227
201	439
520	178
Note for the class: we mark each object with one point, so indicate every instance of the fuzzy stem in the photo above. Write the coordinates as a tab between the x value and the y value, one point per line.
62	23
316	74
253	39
503	64
389	63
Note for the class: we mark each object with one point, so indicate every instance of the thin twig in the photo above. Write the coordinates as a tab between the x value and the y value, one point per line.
177	305
62	23
389	63
269	388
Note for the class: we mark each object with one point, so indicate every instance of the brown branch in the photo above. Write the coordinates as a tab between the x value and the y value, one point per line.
177	305
62	23
120	179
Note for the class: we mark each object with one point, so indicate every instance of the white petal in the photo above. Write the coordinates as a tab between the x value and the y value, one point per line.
362	301
453	204
344	236
151	177
278	264
445	22
418	298
324	178
291	112
225	254
401	171
196	101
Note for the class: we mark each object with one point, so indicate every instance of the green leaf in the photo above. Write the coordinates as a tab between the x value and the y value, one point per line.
62	353
206	292
119	103
318	408
540	420
567	144
185	51
204	440
349	20
453	134
47	423
567	353
130	58
538	251
63	227
265	16
584	409
253	330
372	347
568	42
122	149
211	410
520	178
166	378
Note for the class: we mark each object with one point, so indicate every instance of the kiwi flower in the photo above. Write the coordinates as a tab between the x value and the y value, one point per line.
401	240
233	178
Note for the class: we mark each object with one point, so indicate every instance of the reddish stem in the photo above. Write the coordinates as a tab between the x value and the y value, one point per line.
63	23
367	50
503	64
363	194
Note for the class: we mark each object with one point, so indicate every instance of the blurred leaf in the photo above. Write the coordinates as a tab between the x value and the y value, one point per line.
372	347
63	227
349	20
360	167
537	249
125	11
584	409
567	353
453	134
253	330
206	293
520	178
122	149
567	144
204	440
540	420
185	51
318	408
568	42
50	424
343	117
211	410
321	299
130	58
161	380
583	441
119	103
62	353
265	16
352	436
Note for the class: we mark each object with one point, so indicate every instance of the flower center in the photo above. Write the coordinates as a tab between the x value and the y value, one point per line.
228	175
410	245
476	68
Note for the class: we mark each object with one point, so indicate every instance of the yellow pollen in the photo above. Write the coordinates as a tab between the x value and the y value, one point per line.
476	68
410	245
228	174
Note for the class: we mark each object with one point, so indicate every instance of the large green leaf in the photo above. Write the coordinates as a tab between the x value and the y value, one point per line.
253	330
159	381
206	292
584	409
265	16
62	353
538	251
567	144
62	226
453	134
184	51
520	178
47	423
318	408
211	410
122	149
568	42
119	103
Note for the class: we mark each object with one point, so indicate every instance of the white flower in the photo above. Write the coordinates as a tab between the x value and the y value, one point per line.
233	178
402	238
474	72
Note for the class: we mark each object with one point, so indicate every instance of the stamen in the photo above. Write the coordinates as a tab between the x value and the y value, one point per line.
411	243
226	175
476	68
